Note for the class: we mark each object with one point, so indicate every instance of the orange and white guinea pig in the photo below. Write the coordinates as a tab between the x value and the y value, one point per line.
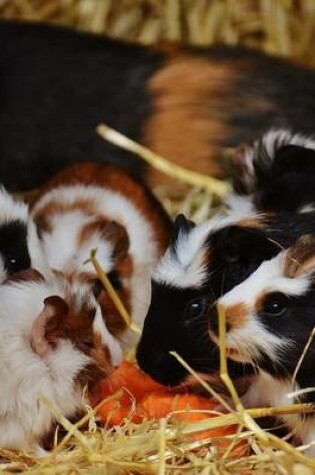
89	206
53	343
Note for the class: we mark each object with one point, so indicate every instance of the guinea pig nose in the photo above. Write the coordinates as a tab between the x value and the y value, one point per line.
213	319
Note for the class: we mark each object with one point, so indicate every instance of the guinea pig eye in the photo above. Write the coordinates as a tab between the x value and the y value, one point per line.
195	308
12	264
275	305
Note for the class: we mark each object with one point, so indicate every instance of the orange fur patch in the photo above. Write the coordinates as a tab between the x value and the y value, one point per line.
255	222
46	213
236	315
184	126
31	275
106	176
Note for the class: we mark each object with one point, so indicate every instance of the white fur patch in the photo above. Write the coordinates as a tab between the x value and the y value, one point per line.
26	377
11	209
267	278
240	205
277	138
266	390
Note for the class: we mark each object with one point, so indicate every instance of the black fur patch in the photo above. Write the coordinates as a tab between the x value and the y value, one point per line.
56	86
13	246
273	93
287	183
295	323
167	328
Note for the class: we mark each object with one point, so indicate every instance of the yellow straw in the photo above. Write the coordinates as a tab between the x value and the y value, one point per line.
112	293
217	187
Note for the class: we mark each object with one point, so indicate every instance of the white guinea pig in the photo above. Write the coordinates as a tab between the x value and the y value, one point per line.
270	318
91	206
53	342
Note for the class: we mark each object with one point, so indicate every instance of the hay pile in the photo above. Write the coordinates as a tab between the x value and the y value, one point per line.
277	26
283	27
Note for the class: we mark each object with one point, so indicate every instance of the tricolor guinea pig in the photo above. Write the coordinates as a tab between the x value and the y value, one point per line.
203	263
53	343
276	173
19	244
186	103
270	320
93	206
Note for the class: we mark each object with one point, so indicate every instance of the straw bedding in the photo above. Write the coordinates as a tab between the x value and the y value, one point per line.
284	27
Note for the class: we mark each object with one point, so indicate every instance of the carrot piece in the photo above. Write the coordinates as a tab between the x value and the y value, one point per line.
128	376
142	398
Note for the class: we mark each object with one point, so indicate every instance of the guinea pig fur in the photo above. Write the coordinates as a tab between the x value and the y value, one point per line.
92	206
186	103
53	343
276	173
270	319
19	244
203	263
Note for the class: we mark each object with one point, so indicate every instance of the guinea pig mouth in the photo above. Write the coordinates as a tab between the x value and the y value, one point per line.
231	352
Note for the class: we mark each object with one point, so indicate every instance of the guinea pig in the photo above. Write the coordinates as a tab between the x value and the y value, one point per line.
276	173
203	263
53	343
186	103
89	206
270	321
19	245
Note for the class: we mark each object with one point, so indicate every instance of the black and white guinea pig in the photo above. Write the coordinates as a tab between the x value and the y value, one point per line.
270	318
203	263
276	173
53	343
93	206
19	245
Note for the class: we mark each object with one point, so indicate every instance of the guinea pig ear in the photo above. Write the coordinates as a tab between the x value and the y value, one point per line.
49	326
246	245
300	258
117	234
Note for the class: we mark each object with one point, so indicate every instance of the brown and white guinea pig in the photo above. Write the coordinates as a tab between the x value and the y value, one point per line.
88	206
53	343
270	319
276	173
203	263
19	244
186	103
